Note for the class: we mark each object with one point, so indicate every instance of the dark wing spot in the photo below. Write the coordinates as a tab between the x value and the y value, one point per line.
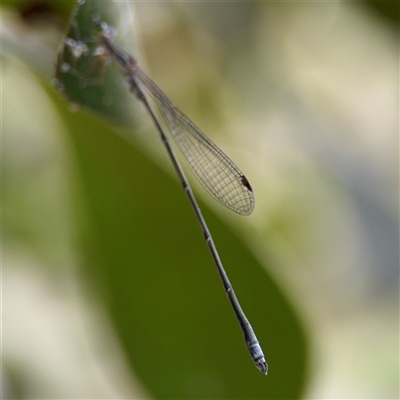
245	183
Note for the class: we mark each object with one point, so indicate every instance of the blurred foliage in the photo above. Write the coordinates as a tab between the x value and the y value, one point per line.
389	9
29	10
304	96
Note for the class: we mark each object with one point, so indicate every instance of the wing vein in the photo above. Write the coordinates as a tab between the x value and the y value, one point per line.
211	166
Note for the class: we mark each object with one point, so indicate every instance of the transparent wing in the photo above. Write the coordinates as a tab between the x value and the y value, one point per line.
212	167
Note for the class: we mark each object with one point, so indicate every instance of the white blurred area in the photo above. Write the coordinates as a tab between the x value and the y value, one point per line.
308	107
56	341
309	98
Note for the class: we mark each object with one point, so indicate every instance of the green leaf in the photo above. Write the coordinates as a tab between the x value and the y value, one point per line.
153	270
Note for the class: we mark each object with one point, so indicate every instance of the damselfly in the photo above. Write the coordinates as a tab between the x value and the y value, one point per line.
216	172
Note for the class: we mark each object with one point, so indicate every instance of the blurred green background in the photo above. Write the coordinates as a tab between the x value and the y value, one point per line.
108	287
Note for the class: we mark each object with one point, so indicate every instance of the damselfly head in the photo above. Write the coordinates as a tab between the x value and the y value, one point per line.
76	47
